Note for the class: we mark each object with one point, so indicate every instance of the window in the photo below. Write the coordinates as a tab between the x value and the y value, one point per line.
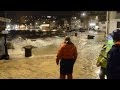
118	24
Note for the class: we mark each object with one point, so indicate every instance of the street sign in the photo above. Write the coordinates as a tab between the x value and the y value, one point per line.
4	19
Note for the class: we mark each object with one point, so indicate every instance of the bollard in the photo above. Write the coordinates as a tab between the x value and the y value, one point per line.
28	50
76	34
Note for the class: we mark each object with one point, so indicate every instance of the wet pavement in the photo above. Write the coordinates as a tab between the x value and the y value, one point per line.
42	65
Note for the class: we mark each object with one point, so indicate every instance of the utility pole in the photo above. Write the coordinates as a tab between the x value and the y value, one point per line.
5	44
3	33
108	22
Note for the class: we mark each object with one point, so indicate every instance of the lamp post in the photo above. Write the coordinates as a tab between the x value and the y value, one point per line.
83	15
6	56
3	35
108	21
5	32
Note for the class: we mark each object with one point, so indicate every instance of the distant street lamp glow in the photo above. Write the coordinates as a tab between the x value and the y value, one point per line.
48	16
92	24
16	27
8	26
83	14
75	17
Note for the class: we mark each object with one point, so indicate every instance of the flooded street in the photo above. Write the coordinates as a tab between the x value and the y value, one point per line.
42	64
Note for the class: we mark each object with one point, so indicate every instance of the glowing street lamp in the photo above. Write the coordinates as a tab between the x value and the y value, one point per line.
75	17
83	14
48	16
83	19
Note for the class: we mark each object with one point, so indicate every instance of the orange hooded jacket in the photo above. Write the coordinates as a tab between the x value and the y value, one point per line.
67	51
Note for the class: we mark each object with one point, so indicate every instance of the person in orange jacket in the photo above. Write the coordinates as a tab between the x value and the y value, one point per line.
67	55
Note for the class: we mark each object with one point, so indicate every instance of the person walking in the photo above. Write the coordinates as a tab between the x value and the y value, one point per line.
66	56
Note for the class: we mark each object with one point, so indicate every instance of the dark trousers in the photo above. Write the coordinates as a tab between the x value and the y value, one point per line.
66	66
102	73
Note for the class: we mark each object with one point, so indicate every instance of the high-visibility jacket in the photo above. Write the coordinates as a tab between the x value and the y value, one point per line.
67	51
102	59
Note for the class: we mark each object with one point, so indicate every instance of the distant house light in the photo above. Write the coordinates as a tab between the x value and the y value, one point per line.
48	16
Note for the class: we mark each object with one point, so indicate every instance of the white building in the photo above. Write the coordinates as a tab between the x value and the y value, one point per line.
76	23
114	21
102	26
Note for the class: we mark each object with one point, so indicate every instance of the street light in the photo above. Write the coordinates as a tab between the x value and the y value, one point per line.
6	56
83	18
83	14
108	21
3	35
48	16
54	21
